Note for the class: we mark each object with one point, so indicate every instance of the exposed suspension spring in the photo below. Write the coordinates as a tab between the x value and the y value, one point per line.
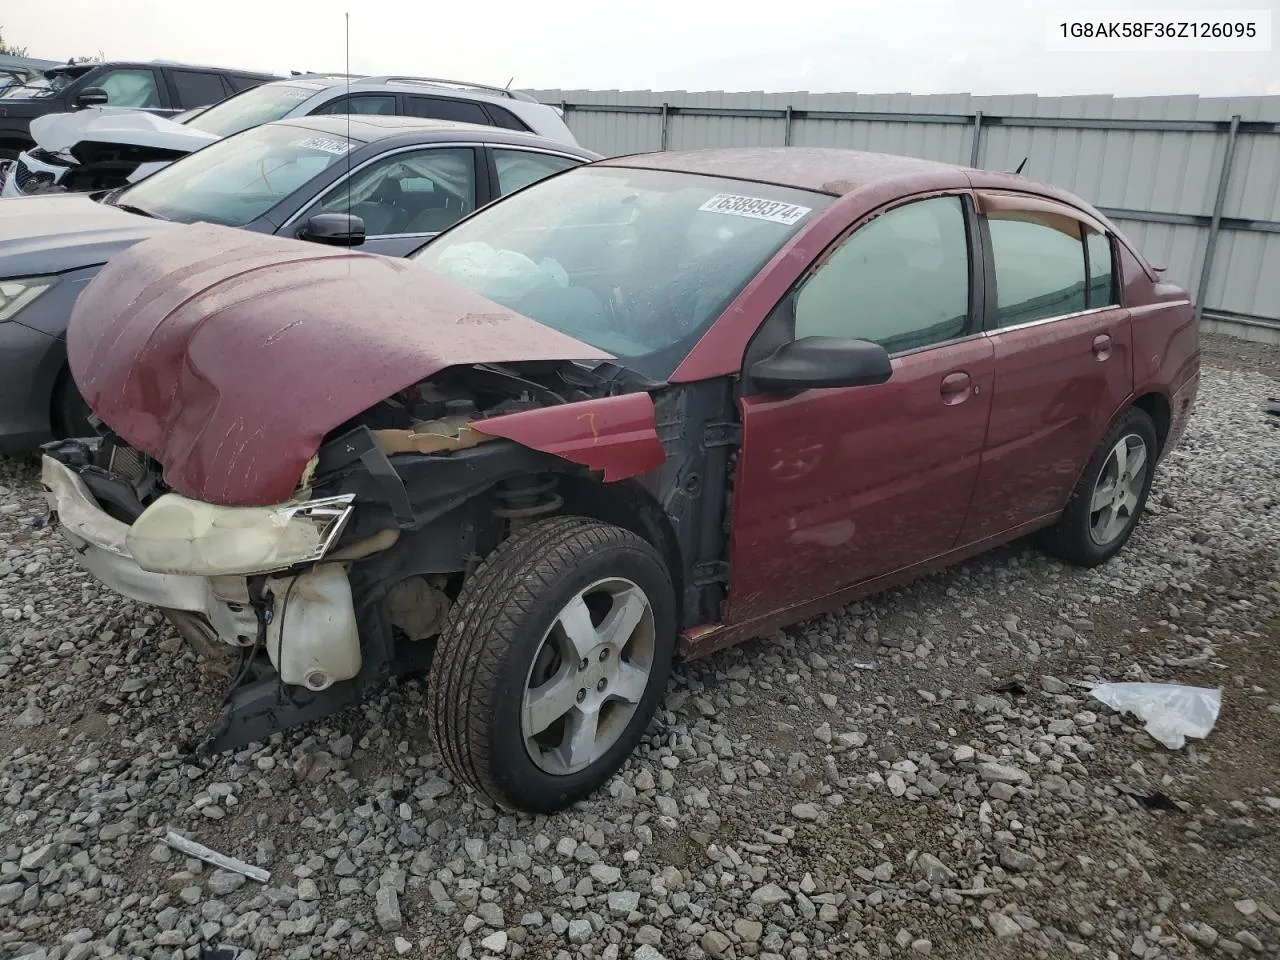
522	499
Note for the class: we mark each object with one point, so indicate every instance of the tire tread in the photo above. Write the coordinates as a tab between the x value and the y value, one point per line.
491	607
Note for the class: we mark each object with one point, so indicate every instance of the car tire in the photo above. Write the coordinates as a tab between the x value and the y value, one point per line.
70	412
1110	496
505	662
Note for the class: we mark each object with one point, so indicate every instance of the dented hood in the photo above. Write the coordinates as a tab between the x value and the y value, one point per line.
227	355
59	132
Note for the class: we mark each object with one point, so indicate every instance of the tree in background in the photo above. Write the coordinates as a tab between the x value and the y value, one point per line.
9	51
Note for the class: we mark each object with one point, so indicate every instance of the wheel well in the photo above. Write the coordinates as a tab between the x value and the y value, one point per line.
58	413
630	506
15	143
1156	406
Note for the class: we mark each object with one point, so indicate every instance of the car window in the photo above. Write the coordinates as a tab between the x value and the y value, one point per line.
129	88
236	180
502	117
416	191
1102	286
197	89
1039	266
519	168
374	103
49	84
901	281
244	83
442	108
261	104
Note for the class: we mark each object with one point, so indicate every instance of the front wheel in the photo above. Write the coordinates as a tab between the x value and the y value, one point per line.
553	661
1110	495
70	412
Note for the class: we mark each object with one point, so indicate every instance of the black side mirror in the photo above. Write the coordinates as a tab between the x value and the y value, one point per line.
813	362
335	229
91	97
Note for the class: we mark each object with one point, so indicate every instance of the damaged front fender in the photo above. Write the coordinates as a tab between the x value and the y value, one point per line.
615	435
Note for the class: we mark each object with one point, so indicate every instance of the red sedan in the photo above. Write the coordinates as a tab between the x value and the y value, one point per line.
647	407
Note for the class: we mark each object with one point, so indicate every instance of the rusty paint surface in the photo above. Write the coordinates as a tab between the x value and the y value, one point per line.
228	355
617	435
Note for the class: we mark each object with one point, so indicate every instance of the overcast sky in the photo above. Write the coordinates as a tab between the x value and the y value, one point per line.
867	46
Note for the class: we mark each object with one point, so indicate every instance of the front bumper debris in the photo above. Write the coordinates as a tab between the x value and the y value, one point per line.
301	633
99	542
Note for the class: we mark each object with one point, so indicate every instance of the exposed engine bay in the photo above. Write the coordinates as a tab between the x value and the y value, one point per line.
418	491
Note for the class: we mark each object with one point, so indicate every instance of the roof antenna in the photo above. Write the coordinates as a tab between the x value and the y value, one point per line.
1021	165
509	83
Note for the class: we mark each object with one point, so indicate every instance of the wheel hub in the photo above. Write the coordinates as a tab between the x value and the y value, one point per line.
603	641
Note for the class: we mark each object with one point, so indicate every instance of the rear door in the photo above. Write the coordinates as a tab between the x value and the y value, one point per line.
838	486
1062	355
512	168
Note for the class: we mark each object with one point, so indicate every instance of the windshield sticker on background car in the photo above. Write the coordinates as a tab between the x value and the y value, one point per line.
756	208
338	147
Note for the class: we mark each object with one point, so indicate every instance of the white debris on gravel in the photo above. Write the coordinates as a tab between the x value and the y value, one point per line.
957	800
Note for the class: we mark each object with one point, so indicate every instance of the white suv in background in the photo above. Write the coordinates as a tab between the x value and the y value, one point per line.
101	148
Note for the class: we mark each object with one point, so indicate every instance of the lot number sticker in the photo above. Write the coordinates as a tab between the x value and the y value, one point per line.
338	147
755	208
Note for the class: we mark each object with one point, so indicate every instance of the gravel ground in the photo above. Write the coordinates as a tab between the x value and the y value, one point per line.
913	776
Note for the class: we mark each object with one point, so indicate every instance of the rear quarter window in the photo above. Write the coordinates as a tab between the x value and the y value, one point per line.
502	117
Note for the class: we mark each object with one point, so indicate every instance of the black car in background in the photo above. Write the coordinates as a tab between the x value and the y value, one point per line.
157	86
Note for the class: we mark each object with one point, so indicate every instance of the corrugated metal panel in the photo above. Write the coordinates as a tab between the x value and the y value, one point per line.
1148	171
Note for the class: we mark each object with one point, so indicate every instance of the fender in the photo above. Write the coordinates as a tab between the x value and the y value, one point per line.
616	435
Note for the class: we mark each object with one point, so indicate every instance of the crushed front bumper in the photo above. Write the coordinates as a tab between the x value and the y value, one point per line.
99	542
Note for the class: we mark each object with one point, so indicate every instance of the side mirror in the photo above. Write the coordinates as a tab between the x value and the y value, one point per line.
814	362
335	229
91	97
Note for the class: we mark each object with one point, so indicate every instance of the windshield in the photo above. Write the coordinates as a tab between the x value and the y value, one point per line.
635	262
237	180
263	104
49	85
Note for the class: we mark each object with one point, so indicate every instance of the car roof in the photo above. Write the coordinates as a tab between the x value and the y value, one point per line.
832	170
428	85
369	128
87	65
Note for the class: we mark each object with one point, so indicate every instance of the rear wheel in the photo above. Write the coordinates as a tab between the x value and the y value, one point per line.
553	661
1110	495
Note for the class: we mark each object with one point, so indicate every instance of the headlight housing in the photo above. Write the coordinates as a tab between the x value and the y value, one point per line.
178	535
20	292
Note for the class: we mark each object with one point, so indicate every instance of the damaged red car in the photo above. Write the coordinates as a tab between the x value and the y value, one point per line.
643	409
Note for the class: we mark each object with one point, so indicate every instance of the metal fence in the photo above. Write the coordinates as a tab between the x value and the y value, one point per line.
1195	183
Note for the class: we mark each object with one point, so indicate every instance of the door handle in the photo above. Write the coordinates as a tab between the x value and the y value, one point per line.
955	388
1102	346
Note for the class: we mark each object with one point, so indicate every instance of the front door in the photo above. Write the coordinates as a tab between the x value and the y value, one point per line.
836	486
1063	364
406	196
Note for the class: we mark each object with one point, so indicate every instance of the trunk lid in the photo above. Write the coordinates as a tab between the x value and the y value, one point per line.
227	355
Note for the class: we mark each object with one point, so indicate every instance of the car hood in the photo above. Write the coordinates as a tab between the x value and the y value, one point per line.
59	132
55	233
228	356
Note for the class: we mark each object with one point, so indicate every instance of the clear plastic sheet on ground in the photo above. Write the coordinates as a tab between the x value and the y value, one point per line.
1171	712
